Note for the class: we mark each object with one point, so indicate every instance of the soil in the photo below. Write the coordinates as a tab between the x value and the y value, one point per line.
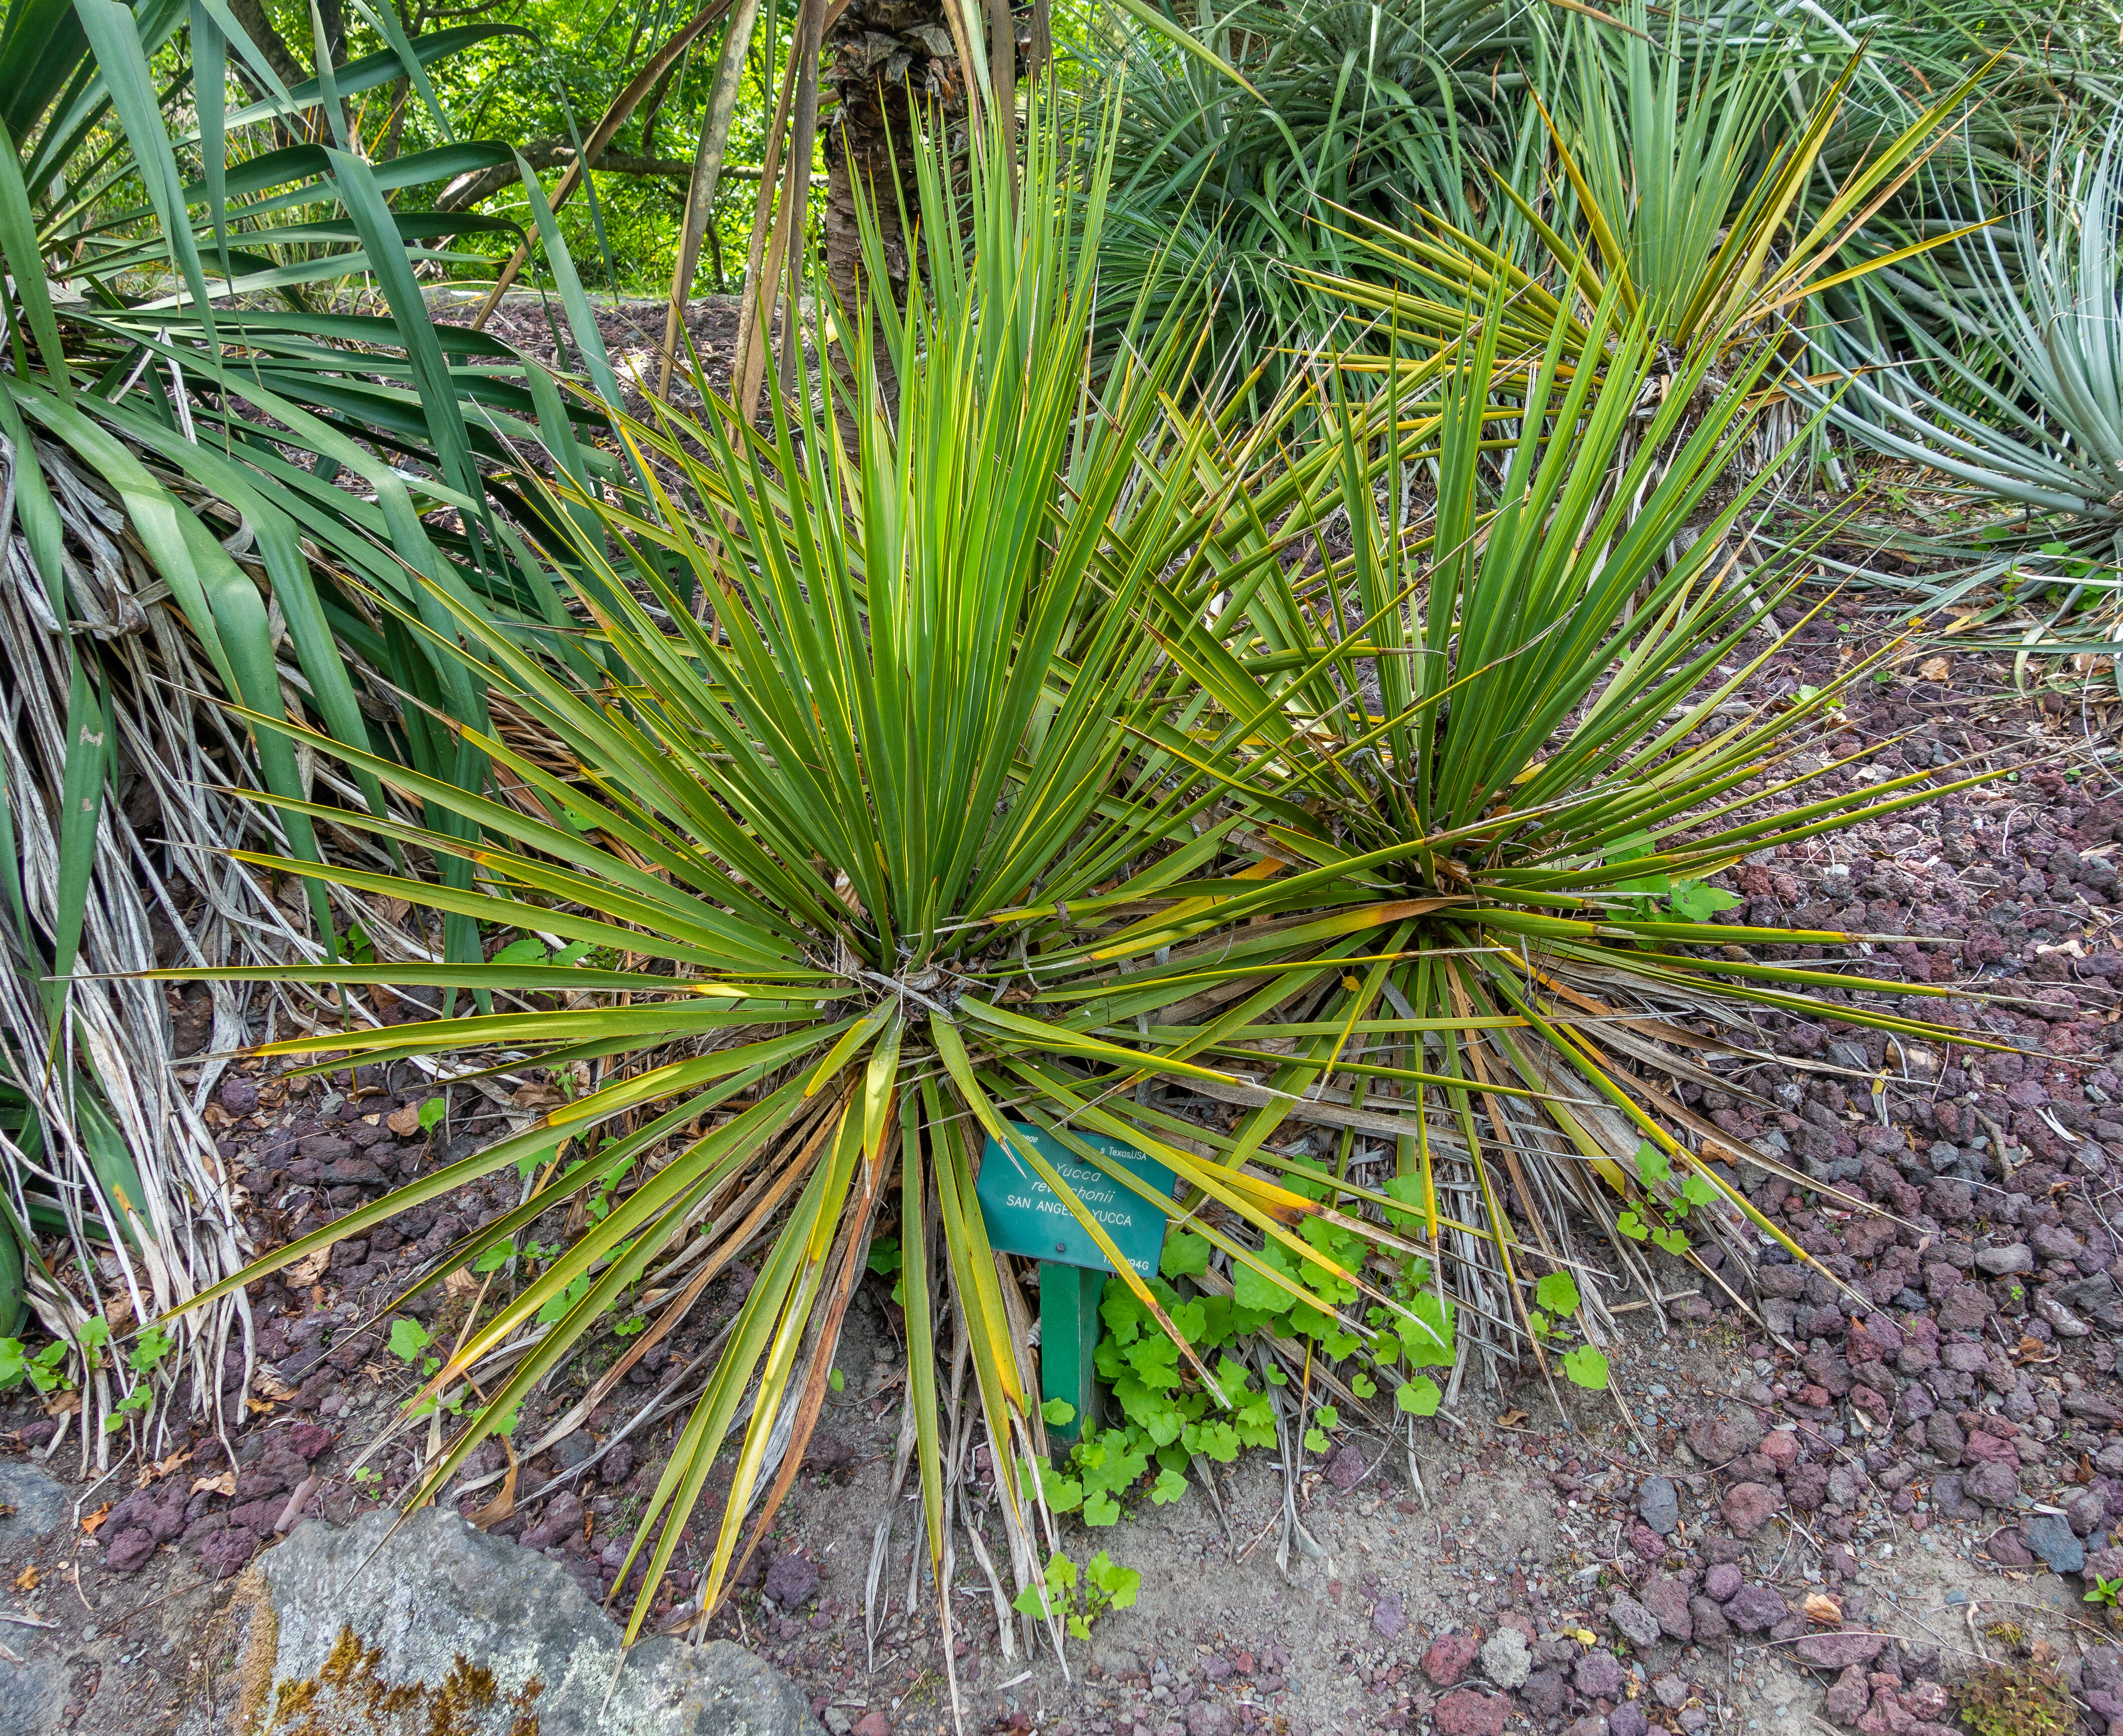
632	328
1911	1462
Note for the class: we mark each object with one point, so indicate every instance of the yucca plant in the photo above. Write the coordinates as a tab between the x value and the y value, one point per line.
1010	775
1680	183
1518	712
809	816
2005	374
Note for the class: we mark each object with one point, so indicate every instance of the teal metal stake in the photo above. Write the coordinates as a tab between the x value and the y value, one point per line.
1068	1335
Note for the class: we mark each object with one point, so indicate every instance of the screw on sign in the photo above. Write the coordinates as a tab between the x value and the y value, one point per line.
1023	1214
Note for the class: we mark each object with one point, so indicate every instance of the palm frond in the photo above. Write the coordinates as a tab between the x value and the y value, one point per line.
179	469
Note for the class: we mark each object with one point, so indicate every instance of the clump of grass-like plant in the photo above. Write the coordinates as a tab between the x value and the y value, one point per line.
1007	769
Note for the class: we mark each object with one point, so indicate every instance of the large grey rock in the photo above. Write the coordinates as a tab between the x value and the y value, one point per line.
473	1631
32	1693
34	1506
38	1501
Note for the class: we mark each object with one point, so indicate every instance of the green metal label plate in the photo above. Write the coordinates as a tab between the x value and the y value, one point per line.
1026	1215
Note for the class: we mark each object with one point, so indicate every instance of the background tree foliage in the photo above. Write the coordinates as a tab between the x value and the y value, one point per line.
543	93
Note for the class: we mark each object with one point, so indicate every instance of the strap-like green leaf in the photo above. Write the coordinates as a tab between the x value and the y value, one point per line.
123	62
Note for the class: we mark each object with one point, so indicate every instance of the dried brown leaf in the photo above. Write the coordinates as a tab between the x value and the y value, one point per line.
503	1504
162	1468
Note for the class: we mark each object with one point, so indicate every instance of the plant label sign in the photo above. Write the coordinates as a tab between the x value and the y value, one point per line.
1026	1215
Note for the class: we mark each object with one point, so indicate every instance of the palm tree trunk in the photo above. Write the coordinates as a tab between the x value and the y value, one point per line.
892	69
